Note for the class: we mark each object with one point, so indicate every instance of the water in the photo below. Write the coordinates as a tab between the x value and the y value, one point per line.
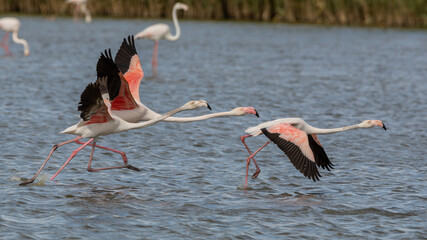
192	178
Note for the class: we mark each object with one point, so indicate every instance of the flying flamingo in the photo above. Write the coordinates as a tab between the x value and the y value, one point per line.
127	105
81	5
298	140
159	31
97	120
11	24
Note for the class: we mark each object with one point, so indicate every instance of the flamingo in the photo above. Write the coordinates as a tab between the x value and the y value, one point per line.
81	5
127	105
159	31
11	24
298	140
97	120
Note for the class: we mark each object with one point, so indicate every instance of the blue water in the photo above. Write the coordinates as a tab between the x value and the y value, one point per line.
193	173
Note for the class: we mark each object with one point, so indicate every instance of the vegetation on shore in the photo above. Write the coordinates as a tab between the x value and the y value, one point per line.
393	13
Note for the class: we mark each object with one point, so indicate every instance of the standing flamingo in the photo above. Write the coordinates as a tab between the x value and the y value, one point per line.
81	5
127	105
11	24
298	140
159	31
97	120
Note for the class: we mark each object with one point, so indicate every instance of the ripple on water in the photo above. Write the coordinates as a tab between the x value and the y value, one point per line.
192	181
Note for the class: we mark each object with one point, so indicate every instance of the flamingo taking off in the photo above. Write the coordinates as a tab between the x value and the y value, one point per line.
11	24
81	5
97	120
298	140
162	31
127	105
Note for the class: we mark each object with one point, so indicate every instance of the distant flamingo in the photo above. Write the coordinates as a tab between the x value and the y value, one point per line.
298	140
127	105
81	5
159	31
11	24
97	120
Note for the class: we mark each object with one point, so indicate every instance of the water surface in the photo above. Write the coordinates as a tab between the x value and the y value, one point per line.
191	183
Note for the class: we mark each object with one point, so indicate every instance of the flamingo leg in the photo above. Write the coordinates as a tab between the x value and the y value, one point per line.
154	61
56	146
125	160
76	12
258	170
248	160
73	154
4	43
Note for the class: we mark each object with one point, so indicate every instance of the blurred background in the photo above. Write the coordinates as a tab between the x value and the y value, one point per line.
390	13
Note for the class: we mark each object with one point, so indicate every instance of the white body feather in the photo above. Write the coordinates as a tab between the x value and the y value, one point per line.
256	130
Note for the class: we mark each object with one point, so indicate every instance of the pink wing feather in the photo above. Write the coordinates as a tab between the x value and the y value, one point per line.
295	144
129	64
295	136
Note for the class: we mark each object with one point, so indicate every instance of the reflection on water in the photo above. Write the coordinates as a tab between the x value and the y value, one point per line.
192	178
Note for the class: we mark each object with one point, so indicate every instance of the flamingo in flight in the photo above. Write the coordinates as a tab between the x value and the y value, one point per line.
81	5
11	24
127	105
97	120
162	31
298	140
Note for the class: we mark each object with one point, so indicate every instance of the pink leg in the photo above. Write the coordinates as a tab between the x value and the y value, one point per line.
73	154
56	146
4	43
125	160
76	13
248	160
154	62
258	170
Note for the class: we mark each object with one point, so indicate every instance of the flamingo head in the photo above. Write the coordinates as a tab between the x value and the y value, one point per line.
196	104
241	111
27	52
181	6
372	123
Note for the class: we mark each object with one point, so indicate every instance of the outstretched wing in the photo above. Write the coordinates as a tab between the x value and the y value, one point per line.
107	68
118	89
320	156
294	143
129	64
92	106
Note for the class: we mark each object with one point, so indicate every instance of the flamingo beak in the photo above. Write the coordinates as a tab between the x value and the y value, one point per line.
384	127
209	107
256	113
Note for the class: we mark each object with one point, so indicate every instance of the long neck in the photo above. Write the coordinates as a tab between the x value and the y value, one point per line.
175	37
313	130
21	41
198	118
128	125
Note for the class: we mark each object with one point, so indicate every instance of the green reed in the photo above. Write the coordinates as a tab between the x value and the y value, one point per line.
396	13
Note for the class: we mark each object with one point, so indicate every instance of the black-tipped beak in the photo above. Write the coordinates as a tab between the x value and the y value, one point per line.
384	127
209	107
256	113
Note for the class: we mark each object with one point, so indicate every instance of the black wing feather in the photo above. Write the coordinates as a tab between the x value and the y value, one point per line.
320	156
125	54
90	101
297	158
107	68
